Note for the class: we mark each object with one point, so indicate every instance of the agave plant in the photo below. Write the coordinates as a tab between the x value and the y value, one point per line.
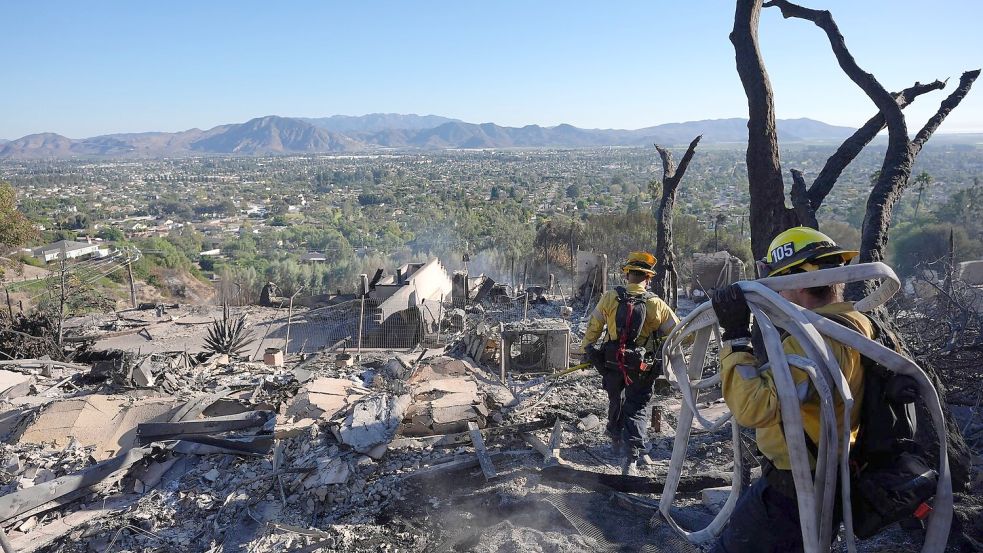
229	335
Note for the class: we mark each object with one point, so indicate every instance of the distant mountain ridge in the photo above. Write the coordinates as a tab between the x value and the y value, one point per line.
376	122
273	134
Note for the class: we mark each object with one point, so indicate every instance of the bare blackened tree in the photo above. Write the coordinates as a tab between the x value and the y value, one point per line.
901	149
666	277
769	214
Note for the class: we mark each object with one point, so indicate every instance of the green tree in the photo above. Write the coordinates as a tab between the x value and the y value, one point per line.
923	179
928	246
111	234
15	229
844	234
964	209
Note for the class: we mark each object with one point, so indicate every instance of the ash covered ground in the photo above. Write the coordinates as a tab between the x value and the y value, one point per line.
320	453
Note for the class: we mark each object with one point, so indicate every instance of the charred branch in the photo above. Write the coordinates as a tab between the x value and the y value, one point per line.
800	201
895	174
950	103
853	145
664	283
883	99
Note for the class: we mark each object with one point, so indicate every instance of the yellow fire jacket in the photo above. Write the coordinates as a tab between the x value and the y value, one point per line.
658	316
753	399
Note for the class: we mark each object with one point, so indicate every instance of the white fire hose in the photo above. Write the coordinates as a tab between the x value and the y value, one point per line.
815	496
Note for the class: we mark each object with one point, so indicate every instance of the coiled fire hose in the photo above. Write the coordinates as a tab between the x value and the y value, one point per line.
815	496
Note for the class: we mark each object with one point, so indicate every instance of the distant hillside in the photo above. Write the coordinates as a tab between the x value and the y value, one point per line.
285	135
376	122
273	135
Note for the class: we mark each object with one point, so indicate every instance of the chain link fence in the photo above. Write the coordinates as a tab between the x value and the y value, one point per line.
360	323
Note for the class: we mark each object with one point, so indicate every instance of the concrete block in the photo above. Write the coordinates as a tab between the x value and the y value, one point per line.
373	421
714	498
143	374
106	423
14	384
971	272
588	423
273	357
324	398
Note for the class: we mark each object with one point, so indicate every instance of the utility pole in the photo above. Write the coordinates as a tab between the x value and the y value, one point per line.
573	265
133	290
61	303
512	272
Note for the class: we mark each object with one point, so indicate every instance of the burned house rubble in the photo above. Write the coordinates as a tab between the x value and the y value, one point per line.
325	435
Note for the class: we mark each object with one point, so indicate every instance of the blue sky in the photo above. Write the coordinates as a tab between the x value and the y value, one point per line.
88	68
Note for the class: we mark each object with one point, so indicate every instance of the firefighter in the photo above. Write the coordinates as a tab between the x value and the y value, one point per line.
766	517
635	320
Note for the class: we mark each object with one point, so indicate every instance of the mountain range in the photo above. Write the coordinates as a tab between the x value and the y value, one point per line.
272	135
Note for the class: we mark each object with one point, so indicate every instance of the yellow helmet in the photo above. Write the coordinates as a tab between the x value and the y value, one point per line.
804	249
642	262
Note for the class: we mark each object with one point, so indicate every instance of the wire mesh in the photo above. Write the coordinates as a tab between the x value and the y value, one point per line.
614	528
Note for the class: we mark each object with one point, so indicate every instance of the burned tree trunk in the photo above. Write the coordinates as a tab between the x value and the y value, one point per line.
768	212
665	283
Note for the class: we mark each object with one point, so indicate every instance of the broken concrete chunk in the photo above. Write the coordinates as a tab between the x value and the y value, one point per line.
28	525
106	423
499	397
454	414
14	384
714	498
324	398
454	399
13	465
588	423
285	430
447	386
143	374
373	421
211	475
334	470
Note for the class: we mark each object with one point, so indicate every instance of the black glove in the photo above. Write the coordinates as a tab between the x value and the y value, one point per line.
590	355
732	312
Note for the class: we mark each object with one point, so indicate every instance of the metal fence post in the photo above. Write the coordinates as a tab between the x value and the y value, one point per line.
501	352
361	323
290	312
440	316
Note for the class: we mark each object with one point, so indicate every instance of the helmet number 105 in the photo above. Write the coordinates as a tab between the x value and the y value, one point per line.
783	251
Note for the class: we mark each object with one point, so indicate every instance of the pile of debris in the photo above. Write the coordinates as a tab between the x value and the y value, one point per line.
476	444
